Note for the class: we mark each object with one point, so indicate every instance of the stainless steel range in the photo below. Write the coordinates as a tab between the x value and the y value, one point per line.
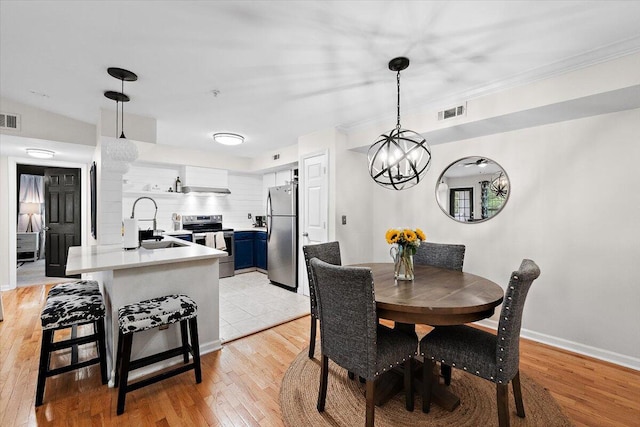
200	225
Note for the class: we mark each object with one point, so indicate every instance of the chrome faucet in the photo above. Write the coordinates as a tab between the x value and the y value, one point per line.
133	211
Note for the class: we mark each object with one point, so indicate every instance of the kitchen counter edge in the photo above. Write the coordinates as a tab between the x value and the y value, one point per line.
87	259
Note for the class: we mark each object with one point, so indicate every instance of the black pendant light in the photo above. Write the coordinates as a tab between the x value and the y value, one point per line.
120	152
500	185
400	158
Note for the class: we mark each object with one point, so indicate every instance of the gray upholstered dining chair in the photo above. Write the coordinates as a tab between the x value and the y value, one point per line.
351	335
493	357
443	255
327	252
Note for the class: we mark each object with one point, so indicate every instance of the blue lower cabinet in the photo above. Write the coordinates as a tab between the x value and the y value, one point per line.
250	249
244	249
260	249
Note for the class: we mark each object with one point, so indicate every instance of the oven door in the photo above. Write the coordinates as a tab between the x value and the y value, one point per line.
199	238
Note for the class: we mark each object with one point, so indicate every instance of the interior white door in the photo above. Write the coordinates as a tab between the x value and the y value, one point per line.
315	206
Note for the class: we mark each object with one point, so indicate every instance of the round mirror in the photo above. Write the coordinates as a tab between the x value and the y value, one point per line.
472	189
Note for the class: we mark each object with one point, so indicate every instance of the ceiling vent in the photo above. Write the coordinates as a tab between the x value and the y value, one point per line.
450	113
9	121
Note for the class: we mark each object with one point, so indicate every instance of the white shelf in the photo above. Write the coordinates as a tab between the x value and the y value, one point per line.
167	194
152	194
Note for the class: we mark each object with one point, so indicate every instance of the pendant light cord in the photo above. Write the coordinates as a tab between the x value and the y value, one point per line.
122	112
117	114
398	83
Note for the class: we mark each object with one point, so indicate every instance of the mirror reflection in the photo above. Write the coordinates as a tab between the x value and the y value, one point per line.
472	189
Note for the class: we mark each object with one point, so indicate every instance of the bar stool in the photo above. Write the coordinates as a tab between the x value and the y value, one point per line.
67	311
150	314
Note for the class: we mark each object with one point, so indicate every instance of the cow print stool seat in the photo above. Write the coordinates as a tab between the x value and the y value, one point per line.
149	314
77	288
63	311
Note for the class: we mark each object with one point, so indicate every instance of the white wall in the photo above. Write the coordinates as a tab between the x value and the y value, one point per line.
41	124
572	210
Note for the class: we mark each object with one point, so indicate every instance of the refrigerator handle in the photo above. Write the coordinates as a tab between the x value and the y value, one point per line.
269	216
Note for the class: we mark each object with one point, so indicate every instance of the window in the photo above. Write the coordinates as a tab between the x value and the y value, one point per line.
461	203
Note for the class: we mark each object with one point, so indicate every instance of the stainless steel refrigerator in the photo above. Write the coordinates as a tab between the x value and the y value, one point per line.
282	235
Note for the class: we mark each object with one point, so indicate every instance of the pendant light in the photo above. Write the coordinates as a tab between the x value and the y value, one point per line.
500	185
120	152
400	158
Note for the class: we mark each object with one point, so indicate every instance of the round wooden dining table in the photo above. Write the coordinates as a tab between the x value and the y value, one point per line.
436	297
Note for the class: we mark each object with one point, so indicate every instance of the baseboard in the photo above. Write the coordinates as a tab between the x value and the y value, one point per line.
586	350
204	349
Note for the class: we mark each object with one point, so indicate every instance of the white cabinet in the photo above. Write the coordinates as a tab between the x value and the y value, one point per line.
194	176
27	243
284	177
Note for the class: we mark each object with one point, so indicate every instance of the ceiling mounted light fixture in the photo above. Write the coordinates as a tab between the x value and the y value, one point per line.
227	138
500	185
39	153
120	152
399	159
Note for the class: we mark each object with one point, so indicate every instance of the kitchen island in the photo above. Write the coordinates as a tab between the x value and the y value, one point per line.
171	266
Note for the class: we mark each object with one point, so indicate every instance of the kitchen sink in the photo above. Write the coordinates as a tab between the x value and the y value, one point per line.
161	244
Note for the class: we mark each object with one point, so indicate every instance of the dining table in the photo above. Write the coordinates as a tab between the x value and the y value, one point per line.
435	297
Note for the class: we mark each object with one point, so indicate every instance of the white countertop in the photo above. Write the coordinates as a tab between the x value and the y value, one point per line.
85	259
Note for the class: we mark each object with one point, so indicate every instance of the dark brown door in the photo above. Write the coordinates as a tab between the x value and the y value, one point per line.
62	213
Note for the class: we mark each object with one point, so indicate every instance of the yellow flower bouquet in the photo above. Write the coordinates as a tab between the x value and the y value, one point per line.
406	242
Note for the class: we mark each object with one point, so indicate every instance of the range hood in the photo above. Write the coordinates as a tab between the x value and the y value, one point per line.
205	180
201	189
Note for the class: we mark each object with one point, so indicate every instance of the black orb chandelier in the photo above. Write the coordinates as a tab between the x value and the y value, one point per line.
500	185
400	158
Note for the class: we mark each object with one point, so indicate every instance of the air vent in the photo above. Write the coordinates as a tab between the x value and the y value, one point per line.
9	121
449	113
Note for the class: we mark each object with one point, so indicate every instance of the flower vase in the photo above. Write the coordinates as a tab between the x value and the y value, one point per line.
403	263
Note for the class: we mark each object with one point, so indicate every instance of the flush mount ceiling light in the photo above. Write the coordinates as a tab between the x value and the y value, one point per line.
40	153
227	138
399	159
120	152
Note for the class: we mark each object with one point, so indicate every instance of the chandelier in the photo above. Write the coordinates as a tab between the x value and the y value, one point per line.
500	185
120	152
400	158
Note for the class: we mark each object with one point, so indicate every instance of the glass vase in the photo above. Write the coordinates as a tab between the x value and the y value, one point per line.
403	263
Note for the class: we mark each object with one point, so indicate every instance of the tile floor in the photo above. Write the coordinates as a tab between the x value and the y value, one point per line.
32	273
250	303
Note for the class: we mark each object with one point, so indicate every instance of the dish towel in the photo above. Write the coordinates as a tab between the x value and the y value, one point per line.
220	244
210	239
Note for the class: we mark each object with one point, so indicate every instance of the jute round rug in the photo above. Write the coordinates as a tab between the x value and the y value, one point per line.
345	405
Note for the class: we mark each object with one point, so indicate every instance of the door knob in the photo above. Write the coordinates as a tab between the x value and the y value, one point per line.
305	234
46	228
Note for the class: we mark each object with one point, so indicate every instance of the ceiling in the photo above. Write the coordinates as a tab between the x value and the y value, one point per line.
276	70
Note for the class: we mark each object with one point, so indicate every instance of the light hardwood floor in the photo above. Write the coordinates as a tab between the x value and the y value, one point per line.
241	382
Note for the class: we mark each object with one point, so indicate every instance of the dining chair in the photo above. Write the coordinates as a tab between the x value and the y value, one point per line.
493	357
327	252
443	255
351	335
